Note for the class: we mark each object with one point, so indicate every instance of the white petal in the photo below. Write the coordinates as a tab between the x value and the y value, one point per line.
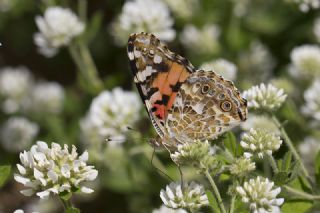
43	194
27	192
86	190
21	169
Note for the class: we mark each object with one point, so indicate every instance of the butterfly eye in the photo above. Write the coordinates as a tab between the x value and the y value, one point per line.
226	106
205	88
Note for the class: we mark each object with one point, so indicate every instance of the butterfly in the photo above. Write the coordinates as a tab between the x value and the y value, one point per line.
183	103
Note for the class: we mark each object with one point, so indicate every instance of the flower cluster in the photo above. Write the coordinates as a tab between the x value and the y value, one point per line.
45	170
257	61
15	83
242	166
109	116
305	61
183	8
196	154
204	40
223	67
57	28
260	122
312	98
164	209
264	98
186	196
260	194
307	5
17	133
47	97
260	142
151	16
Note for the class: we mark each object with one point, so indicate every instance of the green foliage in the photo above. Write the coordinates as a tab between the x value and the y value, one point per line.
5	172
72	210
297	206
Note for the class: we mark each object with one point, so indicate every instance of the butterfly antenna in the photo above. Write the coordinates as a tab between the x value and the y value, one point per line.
159	170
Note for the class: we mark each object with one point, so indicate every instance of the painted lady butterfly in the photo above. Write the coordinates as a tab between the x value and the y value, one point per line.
183	103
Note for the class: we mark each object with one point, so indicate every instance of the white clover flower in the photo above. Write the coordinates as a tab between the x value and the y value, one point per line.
305	61
261	195
312	101
57	28
223	67
46	97
151	16
110	115
309	149
260	122
15	84
257	61
242	166
164	209
183	8
307	5
45	170
17	133
188	196
204	40
265	98
260	142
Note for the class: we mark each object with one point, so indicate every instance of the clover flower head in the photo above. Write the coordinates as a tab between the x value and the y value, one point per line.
197	154
260	194
57	28
164	209
260	142
242	166
257	61
189	196
183	8
204	40
260	122
305	61
223	67
15	84
17	133
109	116
47	97
264	97
44	170
312	101
151	16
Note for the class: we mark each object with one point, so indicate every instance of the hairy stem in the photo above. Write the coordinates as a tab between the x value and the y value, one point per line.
290	145
273	163
216	192
233	200
301	194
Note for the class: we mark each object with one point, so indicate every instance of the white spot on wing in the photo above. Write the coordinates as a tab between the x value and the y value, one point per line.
137	53
131	55
198	108
157	59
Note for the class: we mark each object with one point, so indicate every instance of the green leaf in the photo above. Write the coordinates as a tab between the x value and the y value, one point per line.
317	168
286	163
281	178
230	143
72	210
5	172
298	206
212	201
65	195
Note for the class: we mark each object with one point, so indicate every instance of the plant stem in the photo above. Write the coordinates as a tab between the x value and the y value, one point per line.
273	163
302	194
290	145
66	203
216	192
233	199
90	67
